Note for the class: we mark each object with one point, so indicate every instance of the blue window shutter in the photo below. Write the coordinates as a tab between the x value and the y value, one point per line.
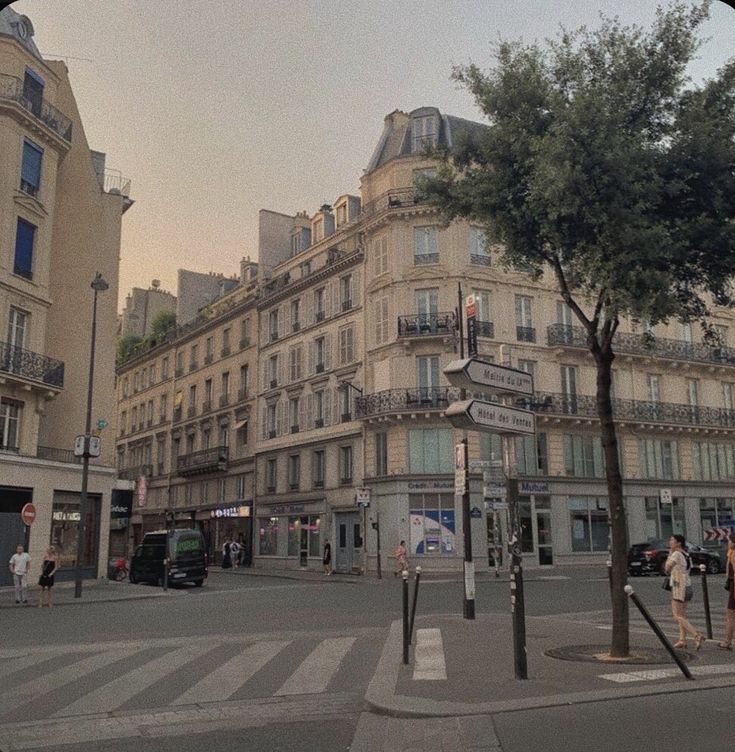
35	76
24	238
31	170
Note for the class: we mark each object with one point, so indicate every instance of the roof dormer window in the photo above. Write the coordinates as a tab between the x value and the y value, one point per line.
424	131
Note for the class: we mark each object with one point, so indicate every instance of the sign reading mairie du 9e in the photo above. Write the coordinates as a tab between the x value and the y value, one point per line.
478	415
474	373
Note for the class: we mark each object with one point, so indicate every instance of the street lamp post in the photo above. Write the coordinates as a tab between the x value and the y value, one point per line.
98	285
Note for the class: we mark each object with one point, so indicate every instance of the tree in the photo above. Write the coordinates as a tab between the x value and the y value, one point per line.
126	346
604	166
161	324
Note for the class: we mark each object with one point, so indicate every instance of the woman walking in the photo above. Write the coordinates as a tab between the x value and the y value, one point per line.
401	558
677	567
46	580
726	644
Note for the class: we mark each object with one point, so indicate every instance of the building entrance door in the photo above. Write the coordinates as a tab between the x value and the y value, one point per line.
349	540
304	542
535	518
12	530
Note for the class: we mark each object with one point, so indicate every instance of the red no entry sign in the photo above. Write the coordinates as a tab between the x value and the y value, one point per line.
28	514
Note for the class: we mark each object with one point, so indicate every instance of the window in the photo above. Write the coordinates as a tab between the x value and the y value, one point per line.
240	486
243	393
320	354
428	377
319	299
17	328
728	395
245	332
294	471
192	397
268	536
479	252
381	453
427	309
273	371
209	356
654	387
382	324
589	521
33	86
208	391
532	455
319	411
431	450
528	366
193	357
293	413
30	174
273	325
426	245
423	133
25	238
10	413
125	387
380	253
525	331
693	395
583	456
317	468
664	520
346	345
432	524
484	322
123	422
225	395
134	419
686	332
419	178
659	458
295	315
271	474
294	362
190	443
270	422
568	379
149	413
164	368
242	434
345	465
304	533
713	461
225	342
345	292
163	408
179	363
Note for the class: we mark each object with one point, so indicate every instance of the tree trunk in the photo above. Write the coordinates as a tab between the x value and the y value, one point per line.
620	645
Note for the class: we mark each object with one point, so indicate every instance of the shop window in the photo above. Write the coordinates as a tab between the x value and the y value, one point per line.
589	521
65	525
268	536
432	524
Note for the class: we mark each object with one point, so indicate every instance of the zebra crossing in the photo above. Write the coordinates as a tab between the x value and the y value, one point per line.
47	683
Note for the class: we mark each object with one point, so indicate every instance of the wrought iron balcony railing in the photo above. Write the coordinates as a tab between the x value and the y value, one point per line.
133	473
405	400
644	344
481	259
486	329
203	461
525	334
627	410
425	258
425	324
12	89
31	365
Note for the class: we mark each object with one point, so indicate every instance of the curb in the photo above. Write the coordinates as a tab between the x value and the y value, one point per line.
296	576
108	599
381	698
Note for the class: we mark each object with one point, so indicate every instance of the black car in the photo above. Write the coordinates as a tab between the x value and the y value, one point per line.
650	557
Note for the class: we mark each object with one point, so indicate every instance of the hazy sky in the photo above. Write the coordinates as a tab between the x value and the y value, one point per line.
218	108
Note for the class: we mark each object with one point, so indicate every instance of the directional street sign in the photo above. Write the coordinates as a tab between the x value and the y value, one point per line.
474	373
495	489
478	415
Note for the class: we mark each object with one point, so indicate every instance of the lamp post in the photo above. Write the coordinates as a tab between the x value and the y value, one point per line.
98	285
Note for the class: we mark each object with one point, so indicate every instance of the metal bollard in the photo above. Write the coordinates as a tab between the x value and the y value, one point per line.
609	573
657	631
413	605
165	574
705	598
406	638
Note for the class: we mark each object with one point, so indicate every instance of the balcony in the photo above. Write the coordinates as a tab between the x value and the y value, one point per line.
133	473
206	406
193	365
405	400
244	342
319	423
30	365
319	316
425	258
645	345
632	411
480	259
346	305
12	90
9	449
177	413
191	411
525	334
242	393
208	358
57	455
225	351
204	461
485	329
320	368
426	325
224	399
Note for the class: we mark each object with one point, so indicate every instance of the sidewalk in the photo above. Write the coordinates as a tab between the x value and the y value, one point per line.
93	591
461	673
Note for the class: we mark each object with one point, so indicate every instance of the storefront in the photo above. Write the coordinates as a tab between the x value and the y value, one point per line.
292	534
121	508
65	516
232	522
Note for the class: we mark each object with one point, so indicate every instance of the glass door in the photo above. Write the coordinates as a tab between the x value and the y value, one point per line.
543	531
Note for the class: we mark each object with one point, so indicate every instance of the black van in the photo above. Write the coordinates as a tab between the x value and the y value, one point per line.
185	552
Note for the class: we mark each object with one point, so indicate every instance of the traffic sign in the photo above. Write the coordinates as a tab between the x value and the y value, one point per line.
363	497
102	423
665	495
472	373
87	446
717	533
28	514
492	417
495	490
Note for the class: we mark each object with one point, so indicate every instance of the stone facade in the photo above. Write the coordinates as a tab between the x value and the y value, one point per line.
142	307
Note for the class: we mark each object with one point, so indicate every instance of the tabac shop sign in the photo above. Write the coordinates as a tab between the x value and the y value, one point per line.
236	510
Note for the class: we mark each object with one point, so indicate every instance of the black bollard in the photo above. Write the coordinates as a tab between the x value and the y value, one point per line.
165	574
705	598
406	638
413	605
657	631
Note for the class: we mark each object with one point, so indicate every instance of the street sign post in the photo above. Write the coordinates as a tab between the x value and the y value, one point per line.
478	415
478	374
665	495
28	514
471	313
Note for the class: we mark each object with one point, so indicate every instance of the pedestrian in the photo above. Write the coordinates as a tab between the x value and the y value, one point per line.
327	558
46	580
20	565
235	553
226	556
241	556
726	644
401	558
677	567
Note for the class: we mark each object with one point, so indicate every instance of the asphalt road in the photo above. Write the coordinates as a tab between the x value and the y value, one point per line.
261	663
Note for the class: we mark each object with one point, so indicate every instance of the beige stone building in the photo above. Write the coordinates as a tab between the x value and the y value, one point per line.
141	308
60	221
353	321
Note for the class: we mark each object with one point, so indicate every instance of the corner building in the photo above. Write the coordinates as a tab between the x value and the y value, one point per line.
60	223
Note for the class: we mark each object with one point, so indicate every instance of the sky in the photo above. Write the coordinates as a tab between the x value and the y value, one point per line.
215	109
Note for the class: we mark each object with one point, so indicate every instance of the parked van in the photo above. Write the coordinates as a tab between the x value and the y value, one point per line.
184	550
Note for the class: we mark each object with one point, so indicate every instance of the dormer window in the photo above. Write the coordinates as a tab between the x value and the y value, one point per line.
424	131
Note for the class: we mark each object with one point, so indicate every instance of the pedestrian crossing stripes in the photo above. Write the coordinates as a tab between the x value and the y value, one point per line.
61	684
429	656
667	673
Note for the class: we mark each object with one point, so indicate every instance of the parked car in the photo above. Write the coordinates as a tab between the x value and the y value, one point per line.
184	550
650	557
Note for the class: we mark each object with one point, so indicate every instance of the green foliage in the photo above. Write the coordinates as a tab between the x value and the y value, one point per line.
126	346
162	323
603	163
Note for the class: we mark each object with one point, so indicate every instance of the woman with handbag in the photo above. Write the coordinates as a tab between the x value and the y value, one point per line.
726	644
677	567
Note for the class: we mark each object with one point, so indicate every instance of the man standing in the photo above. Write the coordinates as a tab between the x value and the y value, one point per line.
20	563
